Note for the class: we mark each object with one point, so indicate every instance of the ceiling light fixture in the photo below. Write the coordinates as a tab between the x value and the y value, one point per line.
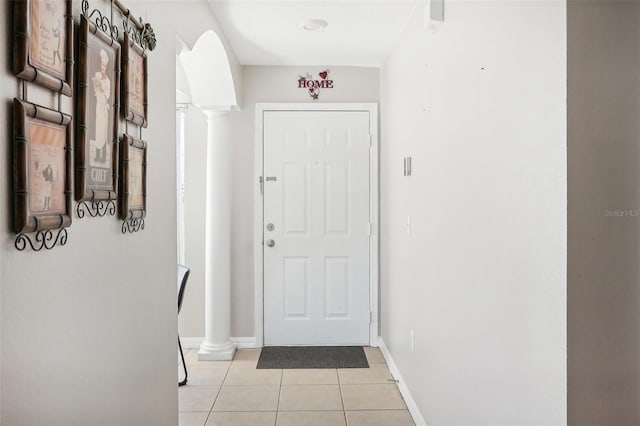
314	24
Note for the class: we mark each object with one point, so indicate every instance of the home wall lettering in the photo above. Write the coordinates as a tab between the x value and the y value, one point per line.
314	86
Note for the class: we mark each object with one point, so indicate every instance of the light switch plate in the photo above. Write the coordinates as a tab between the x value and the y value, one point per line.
407	166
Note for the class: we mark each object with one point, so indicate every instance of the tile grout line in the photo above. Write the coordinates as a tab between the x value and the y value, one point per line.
299	411
279	394
218	393
344	412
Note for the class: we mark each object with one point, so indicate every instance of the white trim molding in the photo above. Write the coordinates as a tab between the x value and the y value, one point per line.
191	342
402	386
374	249
241	342
245	342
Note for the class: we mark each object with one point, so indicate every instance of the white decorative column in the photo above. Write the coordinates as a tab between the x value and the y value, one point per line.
217	344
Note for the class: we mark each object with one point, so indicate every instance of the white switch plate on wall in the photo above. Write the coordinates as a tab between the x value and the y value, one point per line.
436	10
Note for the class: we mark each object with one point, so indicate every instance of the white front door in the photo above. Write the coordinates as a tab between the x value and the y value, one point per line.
316	214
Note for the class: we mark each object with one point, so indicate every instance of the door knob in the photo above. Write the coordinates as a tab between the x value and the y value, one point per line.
271	243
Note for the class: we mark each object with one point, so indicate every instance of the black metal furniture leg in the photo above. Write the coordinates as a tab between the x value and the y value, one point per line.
184	382
183	274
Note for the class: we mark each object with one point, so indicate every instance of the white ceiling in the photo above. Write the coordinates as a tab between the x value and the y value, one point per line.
266	32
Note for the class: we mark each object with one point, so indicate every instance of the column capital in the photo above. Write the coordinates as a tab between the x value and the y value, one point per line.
213	114
213	111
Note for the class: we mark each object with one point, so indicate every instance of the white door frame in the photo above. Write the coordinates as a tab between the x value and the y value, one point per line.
372	109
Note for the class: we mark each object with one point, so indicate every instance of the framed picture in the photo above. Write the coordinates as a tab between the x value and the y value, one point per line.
133	179
41	168
97	115
134	82
43	43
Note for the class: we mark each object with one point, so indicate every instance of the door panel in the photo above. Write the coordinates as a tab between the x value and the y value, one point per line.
295	179
316	195
337	284
296	287
337	188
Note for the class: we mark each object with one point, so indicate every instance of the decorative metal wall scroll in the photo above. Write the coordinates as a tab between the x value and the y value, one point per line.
97	121
141	33
134	81
42	175
43	43
43	37
133	183
96	208
100	21
42	240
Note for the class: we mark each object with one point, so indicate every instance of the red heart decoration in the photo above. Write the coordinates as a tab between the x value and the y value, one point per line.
323	74
311	90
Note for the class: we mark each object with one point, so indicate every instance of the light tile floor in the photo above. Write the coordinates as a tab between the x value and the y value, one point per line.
235	393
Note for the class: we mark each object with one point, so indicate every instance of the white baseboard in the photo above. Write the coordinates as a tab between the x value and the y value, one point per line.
402	386
245	342
241	342
191	342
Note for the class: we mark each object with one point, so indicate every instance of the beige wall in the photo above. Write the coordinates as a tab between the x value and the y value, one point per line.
272	84
604	204
89	329
201	19
192	19
259	84
479	104
191	321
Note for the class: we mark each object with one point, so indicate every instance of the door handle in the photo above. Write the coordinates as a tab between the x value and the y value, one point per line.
271	243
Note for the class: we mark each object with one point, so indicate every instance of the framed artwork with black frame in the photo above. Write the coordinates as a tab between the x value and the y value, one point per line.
41	168
96	157
134	82
43	43
133	178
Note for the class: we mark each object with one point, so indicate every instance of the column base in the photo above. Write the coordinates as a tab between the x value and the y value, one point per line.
211	352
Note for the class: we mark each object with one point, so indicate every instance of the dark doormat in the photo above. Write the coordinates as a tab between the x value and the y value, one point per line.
312	357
